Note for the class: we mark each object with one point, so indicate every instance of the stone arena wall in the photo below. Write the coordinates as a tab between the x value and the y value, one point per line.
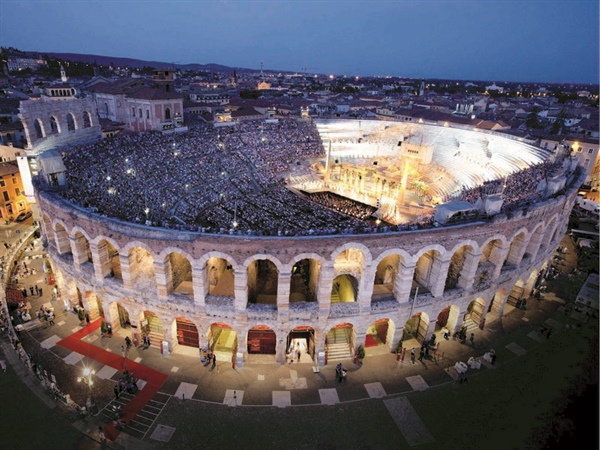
446	271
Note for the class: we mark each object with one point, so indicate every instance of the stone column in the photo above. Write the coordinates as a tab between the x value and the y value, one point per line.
162	276
100	260
324	289
126	271
199	287
63	244
467	274
497	257
365	292
283	296
79	250
438	275
240	290
403	281
516	250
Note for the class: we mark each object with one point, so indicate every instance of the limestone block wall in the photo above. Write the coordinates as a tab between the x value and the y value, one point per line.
538	229
37	115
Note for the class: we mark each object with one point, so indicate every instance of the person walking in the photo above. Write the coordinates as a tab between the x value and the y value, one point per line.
412	355
51	318
298	354
421	354
116	391
214	361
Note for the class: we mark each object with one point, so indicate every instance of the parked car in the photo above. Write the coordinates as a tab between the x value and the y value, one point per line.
23	216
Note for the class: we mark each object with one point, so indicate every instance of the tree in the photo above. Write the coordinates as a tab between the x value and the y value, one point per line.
559	124
533	119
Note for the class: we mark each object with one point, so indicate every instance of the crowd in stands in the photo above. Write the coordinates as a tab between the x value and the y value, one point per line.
207	178
518	187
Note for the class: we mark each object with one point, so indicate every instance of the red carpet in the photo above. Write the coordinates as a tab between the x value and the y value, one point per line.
369	341
153	378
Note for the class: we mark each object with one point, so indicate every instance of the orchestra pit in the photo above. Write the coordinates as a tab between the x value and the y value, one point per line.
265	236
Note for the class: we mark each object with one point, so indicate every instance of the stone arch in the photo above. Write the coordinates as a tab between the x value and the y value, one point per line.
339	342
475	313
352	253
492	258
40	132
457	265
385	277
262	340
497	304
71	122
535	241
547	234
532	282
344	289
415	329
304	279
86	119
304	336
218	273
54	125
109	259
447	319
223	341
93	306
179	273
141	268
63	245
263	279
151	325
82	246
47	228
186	332
380	335
424	276
516	248
517	293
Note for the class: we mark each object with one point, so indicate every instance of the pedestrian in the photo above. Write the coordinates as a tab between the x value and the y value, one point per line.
31	290
129	387
122	351
127	342
101	434
214	361
421	354
24	291
412	355
6	245
116	391
37	290
3	365
148	340
298	354
24	265
87	316
51	318
40	291
134	382
338	372
472	339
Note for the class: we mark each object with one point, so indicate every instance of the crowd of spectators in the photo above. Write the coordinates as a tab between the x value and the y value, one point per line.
226	180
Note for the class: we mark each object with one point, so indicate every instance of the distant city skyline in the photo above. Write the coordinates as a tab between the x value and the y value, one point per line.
498	40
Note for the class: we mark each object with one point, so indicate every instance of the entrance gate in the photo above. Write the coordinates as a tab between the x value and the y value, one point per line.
262	340
303	336
187	333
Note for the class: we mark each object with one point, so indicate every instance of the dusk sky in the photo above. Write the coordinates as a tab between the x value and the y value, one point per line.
498	40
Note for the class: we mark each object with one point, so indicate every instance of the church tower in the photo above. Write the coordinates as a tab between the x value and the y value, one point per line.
63	74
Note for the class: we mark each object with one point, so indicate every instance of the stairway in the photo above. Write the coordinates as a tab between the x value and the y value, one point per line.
338	344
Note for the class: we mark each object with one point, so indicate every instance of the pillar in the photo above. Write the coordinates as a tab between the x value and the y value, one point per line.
200	286
240	290
467	274
365	292
164	282
403	281
100	260
283	296
324	289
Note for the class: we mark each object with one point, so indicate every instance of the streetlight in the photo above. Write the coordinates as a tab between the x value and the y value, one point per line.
87	379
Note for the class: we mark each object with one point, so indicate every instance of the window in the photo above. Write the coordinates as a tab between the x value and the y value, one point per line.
133	111
6	197
2	183
14	180
147	114
590	150
17	192
140	113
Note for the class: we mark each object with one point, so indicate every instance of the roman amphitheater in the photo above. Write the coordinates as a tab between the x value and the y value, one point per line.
253	238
